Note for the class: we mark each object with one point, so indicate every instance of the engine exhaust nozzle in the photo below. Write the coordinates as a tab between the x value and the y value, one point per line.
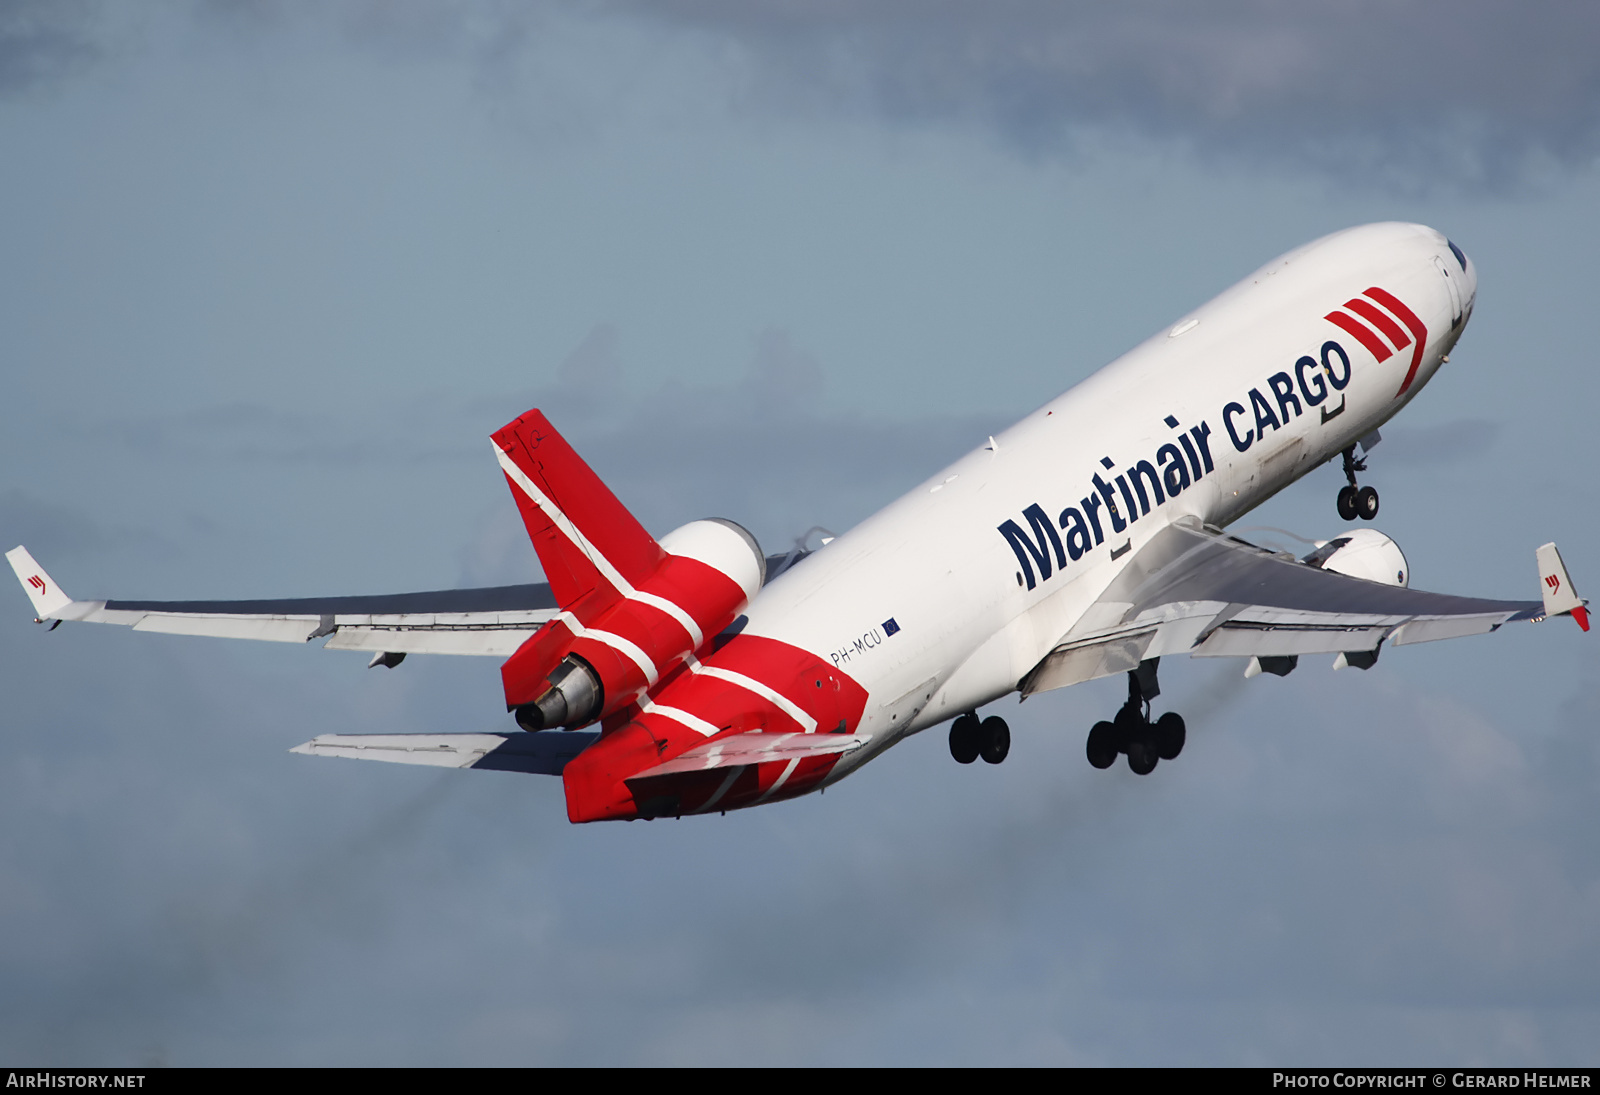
572	700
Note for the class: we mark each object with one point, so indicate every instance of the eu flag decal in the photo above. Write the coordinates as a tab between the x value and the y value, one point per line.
890	627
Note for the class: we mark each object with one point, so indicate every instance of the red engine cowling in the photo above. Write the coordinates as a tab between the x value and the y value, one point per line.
605	650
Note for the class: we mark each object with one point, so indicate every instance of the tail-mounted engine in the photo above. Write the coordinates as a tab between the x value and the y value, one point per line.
632	609
607	655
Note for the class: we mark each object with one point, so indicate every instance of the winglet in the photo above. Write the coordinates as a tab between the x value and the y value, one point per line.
1559	596
41	589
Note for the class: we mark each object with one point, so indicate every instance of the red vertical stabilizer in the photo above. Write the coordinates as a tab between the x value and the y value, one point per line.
587	540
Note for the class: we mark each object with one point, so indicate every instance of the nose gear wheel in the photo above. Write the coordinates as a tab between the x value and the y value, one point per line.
1355	501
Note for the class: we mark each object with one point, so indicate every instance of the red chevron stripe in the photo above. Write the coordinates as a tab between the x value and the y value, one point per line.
1418	329
595	780
1380	319
1362	333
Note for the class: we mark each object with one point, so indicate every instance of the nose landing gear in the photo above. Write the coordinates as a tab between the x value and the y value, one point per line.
1356	501
1132	732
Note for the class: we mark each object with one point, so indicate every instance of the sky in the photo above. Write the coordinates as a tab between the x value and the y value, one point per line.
271	273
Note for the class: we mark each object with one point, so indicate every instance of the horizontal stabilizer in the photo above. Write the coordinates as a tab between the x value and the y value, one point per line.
739	770
756	747
545	753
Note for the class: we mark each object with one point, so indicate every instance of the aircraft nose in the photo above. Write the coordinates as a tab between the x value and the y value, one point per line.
1469	276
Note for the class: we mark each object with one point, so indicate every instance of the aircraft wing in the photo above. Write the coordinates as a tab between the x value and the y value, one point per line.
1195	590
493	621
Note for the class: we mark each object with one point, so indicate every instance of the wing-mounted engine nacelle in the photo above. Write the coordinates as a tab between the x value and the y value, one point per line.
606	650
1363	553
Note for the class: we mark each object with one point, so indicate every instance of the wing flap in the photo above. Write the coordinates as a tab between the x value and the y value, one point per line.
1247	638
489	641
1088	661
275	629
1423	630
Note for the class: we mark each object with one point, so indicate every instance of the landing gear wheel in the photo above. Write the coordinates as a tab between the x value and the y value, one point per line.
1102	745
1347	502
965	739
1169	734
1141	757
996	738
1130	725
1367	503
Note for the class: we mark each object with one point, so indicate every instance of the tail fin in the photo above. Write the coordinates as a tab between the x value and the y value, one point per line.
1559	596
586	539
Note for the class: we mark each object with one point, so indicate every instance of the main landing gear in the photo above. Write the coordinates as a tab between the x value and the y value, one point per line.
1133	733
1356	501
971	739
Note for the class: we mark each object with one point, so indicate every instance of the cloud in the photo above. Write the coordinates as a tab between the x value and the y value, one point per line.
1415	93
42	40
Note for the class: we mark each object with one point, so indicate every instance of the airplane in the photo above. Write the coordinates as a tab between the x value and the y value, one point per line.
695	674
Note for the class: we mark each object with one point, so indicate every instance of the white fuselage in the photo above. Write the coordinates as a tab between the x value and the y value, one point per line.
968	623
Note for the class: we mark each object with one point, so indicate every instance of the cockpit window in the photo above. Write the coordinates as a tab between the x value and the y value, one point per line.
1462	259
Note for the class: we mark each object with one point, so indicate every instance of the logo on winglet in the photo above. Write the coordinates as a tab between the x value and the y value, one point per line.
37	583
1553	582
